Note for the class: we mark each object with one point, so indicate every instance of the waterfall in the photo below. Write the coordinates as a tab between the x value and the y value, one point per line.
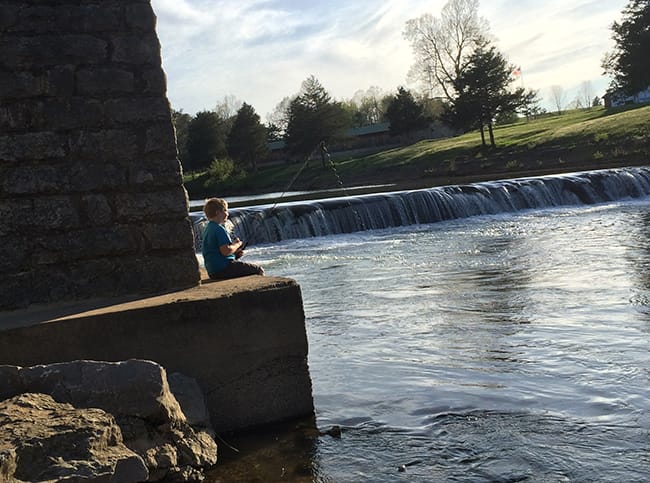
266	224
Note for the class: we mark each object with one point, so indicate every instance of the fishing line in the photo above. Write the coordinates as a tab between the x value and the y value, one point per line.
332	167
286	190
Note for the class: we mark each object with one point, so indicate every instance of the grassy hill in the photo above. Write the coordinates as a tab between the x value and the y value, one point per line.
576	140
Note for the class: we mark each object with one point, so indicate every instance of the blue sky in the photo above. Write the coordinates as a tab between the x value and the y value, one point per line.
260	51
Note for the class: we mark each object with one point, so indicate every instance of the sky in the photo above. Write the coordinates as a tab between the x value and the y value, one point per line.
260	51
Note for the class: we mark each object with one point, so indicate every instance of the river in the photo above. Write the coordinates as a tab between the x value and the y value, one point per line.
500	347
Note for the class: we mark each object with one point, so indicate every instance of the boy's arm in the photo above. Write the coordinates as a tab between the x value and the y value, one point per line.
230	248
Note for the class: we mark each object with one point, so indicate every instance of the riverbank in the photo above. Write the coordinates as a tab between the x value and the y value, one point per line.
577	140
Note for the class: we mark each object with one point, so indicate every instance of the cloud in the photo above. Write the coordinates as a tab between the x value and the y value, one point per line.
261	50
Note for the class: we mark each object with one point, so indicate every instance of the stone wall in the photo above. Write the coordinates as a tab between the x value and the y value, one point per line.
244	341
91	195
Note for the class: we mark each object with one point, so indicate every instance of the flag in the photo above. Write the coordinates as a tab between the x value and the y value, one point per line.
516	72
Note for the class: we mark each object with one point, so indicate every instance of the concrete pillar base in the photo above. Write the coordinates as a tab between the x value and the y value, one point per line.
243	340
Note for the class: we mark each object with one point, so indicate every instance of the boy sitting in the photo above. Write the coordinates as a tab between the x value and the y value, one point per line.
221	253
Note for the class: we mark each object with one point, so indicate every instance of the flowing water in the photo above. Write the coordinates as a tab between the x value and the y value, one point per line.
510	346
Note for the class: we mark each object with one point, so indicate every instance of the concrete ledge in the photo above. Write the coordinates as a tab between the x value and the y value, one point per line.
243	340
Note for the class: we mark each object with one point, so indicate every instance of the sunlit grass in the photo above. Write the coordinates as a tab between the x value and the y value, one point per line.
596	135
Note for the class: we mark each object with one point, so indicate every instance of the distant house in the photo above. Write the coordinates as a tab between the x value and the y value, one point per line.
365	140
618	98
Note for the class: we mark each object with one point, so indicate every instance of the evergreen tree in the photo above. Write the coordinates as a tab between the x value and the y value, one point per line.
247	141
405	114
483	92
205	139
629	62
314	117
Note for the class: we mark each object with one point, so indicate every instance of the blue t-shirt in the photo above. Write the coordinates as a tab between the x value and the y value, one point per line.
215	236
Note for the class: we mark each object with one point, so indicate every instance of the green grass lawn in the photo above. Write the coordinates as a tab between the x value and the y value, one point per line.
579	139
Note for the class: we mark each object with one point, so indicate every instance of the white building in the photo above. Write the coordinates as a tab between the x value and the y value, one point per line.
617	98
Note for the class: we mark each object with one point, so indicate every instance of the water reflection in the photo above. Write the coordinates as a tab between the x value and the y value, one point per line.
499	348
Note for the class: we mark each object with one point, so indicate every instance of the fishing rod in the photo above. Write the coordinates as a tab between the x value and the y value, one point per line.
329	164
288	187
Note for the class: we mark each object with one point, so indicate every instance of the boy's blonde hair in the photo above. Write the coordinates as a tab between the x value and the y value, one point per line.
213	206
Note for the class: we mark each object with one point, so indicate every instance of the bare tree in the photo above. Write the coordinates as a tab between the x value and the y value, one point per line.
586	93
369	105
280	115
442	45
228	107
557	92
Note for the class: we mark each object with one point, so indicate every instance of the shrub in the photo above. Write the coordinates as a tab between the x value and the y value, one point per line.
220	169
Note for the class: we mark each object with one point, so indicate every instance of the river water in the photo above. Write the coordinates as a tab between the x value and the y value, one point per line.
504	347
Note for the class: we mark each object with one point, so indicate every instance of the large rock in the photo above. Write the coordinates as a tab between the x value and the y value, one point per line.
41	439
137	394
134	387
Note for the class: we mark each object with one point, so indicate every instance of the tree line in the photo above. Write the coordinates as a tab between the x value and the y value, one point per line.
463	81
232	137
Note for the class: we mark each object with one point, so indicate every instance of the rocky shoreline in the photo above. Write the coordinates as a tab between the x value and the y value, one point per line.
102	421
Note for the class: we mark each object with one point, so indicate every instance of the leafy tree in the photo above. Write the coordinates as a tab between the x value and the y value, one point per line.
219	170
247	138
368	107
484	94
442	45
181	121
273	133
205	139
314	117
405	114
628	63
433	107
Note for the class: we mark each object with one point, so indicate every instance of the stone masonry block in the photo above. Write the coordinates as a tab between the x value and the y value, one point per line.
16	115
8	16
107	145
31	179
39	50
55	81
136	110
136	49
16	289
155	173
61	18
13	254
145	274
55	212
153	81
96	210
16	215
59	81
85	243
168	235
145	206
31	146
88	176
69	113
140	17
161	139
104	80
